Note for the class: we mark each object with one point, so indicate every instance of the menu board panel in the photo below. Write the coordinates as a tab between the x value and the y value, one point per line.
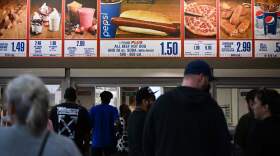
13	22
203	48
13	48
267	49
45	48
141	48
200	21
236	48
80	28
236	30
45	28
80	48
123	23
140	28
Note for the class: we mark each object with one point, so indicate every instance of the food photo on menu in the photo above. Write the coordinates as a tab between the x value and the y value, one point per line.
45	19
140	19
13	19
200	19
81	21
235	19
267	19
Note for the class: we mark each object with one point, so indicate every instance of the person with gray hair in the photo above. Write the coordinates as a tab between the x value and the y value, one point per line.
27	101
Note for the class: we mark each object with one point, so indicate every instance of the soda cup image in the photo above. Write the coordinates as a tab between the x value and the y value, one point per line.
270	23
278	21
259	19
109	10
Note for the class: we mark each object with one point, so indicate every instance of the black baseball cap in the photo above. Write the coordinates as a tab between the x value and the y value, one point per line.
199	67
144	93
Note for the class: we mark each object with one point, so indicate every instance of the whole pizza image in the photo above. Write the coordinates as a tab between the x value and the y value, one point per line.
235	19
200	19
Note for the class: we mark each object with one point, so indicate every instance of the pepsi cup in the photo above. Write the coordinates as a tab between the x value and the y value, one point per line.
270	23
278	21
109	9
259	19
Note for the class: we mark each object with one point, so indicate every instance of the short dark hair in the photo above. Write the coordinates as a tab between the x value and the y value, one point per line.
251	95
70	94
144	93
271	98
106	97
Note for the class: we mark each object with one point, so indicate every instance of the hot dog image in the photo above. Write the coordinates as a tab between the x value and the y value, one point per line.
235	19
146	22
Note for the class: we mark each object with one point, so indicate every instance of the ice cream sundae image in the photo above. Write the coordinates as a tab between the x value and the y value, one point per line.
36	23
54	21
44	11
45	18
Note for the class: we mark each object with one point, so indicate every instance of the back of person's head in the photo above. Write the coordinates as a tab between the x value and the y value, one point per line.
251	95
144	93
271	98
250	98
124	110
197	67
106	97
70	94
29	98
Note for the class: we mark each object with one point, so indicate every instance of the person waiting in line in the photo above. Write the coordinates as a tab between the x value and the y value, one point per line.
264	139
103	117
144	99
187	120
72	120
27	104
246	123
121	131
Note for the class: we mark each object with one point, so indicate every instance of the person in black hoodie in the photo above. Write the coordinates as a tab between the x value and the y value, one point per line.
187	120
264	139
245	124
144	98
72	120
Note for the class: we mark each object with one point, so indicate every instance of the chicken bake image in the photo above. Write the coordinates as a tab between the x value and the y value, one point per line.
13	19
45	19
235	19
120	19
200	19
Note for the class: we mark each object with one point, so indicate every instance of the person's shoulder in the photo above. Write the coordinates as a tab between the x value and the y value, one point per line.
61	142
4	131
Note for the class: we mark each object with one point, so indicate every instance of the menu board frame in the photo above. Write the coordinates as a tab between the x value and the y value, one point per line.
177	47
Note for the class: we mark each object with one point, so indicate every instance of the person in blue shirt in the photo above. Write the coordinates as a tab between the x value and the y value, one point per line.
103	117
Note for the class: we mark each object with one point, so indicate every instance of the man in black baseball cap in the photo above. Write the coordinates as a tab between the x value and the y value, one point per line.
187	120
144	98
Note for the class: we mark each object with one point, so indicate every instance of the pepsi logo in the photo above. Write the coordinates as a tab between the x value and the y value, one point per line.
269	19
259	13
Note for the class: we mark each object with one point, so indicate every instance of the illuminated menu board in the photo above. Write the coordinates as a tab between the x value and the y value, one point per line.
140	28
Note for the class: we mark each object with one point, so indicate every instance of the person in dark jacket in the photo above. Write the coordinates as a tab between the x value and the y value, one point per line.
246	123
264	139
187	120
144	98
72	120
